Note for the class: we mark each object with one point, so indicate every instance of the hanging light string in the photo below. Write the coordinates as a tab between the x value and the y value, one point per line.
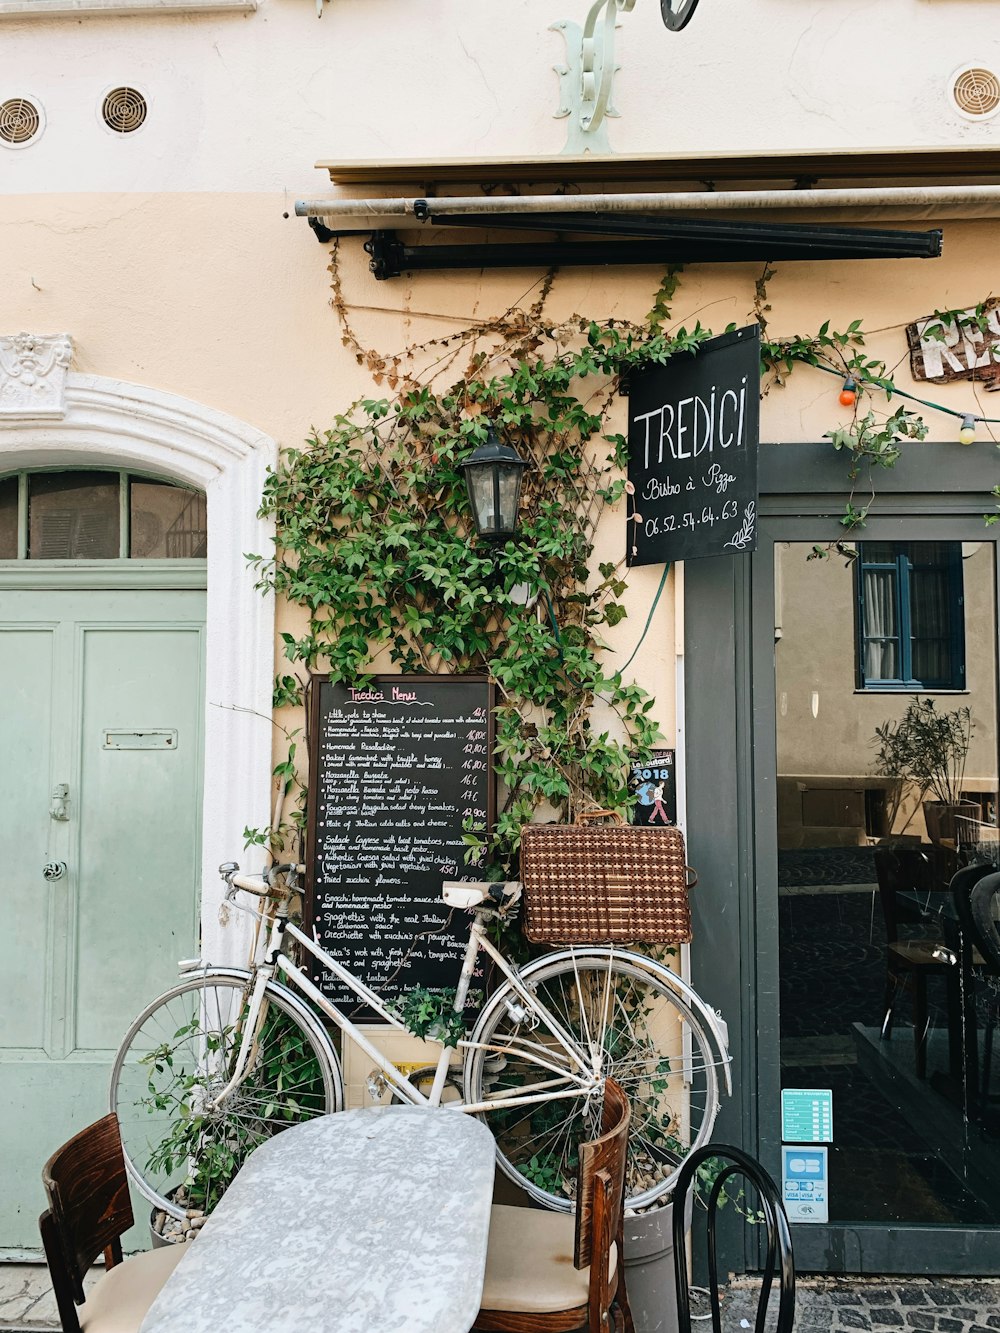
854	379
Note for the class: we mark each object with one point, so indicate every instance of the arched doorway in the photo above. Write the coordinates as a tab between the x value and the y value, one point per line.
136	657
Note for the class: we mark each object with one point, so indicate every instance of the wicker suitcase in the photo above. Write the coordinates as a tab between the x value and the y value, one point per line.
591	884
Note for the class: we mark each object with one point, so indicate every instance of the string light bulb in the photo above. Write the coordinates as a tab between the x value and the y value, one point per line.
967	435
849	393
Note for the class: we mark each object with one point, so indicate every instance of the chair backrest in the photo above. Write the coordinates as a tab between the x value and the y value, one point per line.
89	1205
605	1154
962	884
901	869
734	1162
983	901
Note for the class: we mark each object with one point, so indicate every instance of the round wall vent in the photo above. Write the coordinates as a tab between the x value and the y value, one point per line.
20	121
975	91
123	110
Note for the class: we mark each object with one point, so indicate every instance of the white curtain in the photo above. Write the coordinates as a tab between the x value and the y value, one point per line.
881	630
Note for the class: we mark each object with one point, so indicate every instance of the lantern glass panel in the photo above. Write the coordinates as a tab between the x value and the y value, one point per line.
510	489
481	494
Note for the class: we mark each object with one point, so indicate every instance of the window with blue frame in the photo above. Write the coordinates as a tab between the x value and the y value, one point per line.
911	616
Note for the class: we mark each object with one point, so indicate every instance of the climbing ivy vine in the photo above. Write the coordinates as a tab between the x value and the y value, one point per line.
374	537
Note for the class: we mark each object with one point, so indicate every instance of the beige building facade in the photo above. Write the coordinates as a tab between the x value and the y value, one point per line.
206	324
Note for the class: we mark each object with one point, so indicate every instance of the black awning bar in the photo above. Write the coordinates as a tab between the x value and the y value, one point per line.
874	242
390	257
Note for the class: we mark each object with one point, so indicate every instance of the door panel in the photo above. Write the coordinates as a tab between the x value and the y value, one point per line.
137	868
26	690
95	683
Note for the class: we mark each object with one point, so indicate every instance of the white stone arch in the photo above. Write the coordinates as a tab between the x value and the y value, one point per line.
111	423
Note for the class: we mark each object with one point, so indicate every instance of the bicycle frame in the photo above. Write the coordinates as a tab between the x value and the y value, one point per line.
581	1079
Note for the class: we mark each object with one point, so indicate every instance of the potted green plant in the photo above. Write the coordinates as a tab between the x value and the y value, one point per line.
200	1151
928	748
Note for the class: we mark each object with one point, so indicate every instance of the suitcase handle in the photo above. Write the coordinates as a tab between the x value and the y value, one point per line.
586	816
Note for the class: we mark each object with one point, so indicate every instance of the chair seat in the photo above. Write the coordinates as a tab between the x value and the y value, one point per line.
119	1301
920	953
529	1265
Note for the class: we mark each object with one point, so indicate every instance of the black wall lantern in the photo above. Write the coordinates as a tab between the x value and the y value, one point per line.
493	475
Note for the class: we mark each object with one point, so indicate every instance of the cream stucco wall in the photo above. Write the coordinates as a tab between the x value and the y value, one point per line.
243	102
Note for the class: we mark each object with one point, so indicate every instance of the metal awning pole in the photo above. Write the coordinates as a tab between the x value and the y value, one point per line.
928	197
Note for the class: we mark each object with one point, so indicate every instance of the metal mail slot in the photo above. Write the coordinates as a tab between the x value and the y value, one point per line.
140	740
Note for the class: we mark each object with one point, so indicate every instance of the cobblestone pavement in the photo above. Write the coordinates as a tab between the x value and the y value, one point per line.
937	1305
823	1305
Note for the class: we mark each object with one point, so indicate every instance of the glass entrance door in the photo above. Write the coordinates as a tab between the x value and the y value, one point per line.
885	680
880	694
825	865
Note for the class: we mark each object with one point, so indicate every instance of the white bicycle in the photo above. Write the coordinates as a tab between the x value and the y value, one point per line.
228	1057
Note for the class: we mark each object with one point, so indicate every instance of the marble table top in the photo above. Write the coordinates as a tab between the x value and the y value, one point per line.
367	1221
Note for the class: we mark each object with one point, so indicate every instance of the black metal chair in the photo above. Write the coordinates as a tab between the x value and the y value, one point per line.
779	1258
909	961
984	900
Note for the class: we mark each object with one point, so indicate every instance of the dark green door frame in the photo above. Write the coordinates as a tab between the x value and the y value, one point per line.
730	783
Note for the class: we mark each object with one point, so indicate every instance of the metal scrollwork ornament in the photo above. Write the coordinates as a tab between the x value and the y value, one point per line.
677	14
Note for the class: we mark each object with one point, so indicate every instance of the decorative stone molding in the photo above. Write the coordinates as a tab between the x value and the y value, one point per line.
108	423
33	369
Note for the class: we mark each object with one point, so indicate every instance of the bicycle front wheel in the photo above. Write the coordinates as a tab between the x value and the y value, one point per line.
627	1023
181	1051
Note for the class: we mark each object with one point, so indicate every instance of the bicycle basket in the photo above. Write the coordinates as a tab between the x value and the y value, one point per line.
586	884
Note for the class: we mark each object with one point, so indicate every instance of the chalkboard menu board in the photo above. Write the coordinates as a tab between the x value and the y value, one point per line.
395	768
693	438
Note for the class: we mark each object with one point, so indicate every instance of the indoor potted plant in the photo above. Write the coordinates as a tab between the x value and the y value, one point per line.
928	748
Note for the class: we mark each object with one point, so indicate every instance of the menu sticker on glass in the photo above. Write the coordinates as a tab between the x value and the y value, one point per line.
807	1115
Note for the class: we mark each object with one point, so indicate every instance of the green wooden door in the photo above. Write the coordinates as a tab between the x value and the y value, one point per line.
100	694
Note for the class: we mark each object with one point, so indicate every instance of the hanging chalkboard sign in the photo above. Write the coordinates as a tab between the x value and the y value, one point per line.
693	438
395	768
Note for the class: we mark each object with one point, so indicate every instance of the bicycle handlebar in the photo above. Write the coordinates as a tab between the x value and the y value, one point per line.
265	886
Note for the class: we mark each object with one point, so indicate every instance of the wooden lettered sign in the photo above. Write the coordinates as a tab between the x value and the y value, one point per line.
958	344
692	442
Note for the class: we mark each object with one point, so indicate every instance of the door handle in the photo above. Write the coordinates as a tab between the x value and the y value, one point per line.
53	870
58	802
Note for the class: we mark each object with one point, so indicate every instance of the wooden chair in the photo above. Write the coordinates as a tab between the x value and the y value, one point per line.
89	1211
909	961
734	1162
551	1272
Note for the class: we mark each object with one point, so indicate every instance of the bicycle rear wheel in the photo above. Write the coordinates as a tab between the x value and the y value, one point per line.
630	1022
181	1051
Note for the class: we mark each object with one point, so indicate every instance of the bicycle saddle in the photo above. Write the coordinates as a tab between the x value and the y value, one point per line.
473	893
